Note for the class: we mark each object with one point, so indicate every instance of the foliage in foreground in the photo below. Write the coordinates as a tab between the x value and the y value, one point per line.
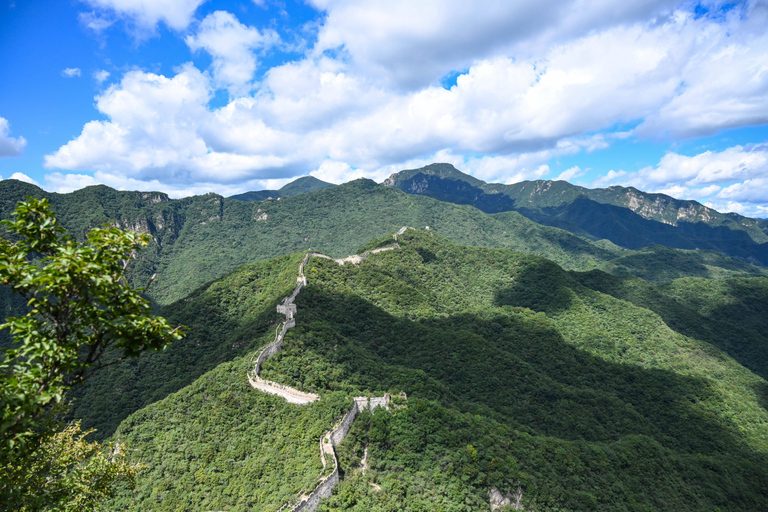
67	473
83	316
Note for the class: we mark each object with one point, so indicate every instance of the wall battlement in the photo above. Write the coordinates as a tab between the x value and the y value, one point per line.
334	437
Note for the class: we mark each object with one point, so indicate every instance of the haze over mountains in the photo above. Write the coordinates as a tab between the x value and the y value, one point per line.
572	349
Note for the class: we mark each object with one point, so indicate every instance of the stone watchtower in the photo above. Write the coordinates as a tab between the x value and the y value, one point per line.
289	310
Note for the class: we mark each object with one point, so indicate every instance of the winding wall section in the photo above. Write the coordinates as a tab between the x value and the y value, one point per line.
333	437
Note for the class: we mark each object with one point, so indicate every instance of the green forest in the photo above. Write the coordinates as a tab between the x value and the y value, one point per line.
586	391
572	373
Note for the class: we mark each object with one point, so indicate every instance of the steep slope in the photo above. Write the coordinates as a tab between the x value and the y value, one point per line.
200	238
518	377
624	215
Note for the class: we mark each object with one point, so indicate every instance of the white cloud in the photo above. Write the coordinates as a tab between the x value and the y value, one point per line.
71	72
723	83
752	190
9	146
97	22
731	164
154	132
101	75
682	192
747	210
519	104
571	173
232	46
23	177
734	179
609	179
144	14
415	43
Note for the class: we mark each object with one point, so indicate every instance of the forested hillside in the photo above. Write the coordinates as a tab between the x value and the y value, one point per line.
626	216
585	391
200	238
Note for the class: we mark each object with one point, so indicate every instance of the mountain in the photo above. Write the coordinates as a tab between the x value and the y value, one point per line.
531	375
256	195
299	186
303	185
565	390
626	216
198	239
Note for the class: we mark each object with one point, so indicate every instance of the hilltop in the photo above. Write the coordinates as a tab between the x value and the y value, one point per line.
200	238
299	186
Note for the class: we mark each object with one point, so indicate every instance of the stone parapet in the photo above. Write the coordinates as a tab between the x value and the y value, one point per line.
334	437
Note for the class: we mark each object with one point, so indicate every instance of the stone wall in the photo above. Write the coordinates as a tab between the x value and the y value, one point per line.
338	435
357	258
325	488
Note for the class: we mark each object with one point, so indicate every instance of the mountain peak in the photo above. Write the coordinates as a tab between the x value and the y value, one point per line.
441	170
303	185
296	187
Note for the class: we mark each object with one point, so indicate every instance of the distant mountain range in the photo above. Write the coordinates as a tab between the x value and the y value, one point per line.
624	215
299	186
200	238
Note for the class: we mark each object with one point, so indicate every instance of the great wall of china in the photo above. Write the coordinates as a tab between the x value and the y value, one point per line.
336	435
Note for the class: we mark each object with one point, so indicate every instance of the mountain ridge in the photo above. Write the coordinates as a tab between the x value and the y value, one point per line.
626	216
296	187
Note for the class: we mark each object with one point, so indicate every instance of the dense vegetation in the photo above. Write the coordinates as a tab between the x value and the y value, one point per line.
518	373
201	238
568	378
626	216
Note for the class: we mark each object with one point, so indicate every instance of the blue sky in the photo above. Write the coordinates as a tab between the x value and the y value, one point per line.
191	96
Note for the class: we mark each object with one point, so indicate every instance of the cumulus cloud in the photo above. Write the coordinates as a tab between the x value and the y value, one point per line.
345	113
734	163
413	44
9	146
100	75
734	179
23	177
610	178
143	14
723	84
231	45
71	72
753	191
154	132
571	173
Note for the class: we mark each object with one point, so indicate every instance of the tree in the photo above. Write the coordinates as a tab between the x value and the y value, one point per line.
83	316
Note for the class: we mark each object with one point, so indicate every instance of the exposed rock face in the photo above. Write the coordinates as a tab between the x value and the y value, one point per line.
498	500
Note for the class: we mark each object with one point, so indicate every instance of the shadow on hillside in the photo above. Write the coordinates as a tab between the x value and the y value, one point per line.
112	394
738	328
628	229
534	288
513	367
